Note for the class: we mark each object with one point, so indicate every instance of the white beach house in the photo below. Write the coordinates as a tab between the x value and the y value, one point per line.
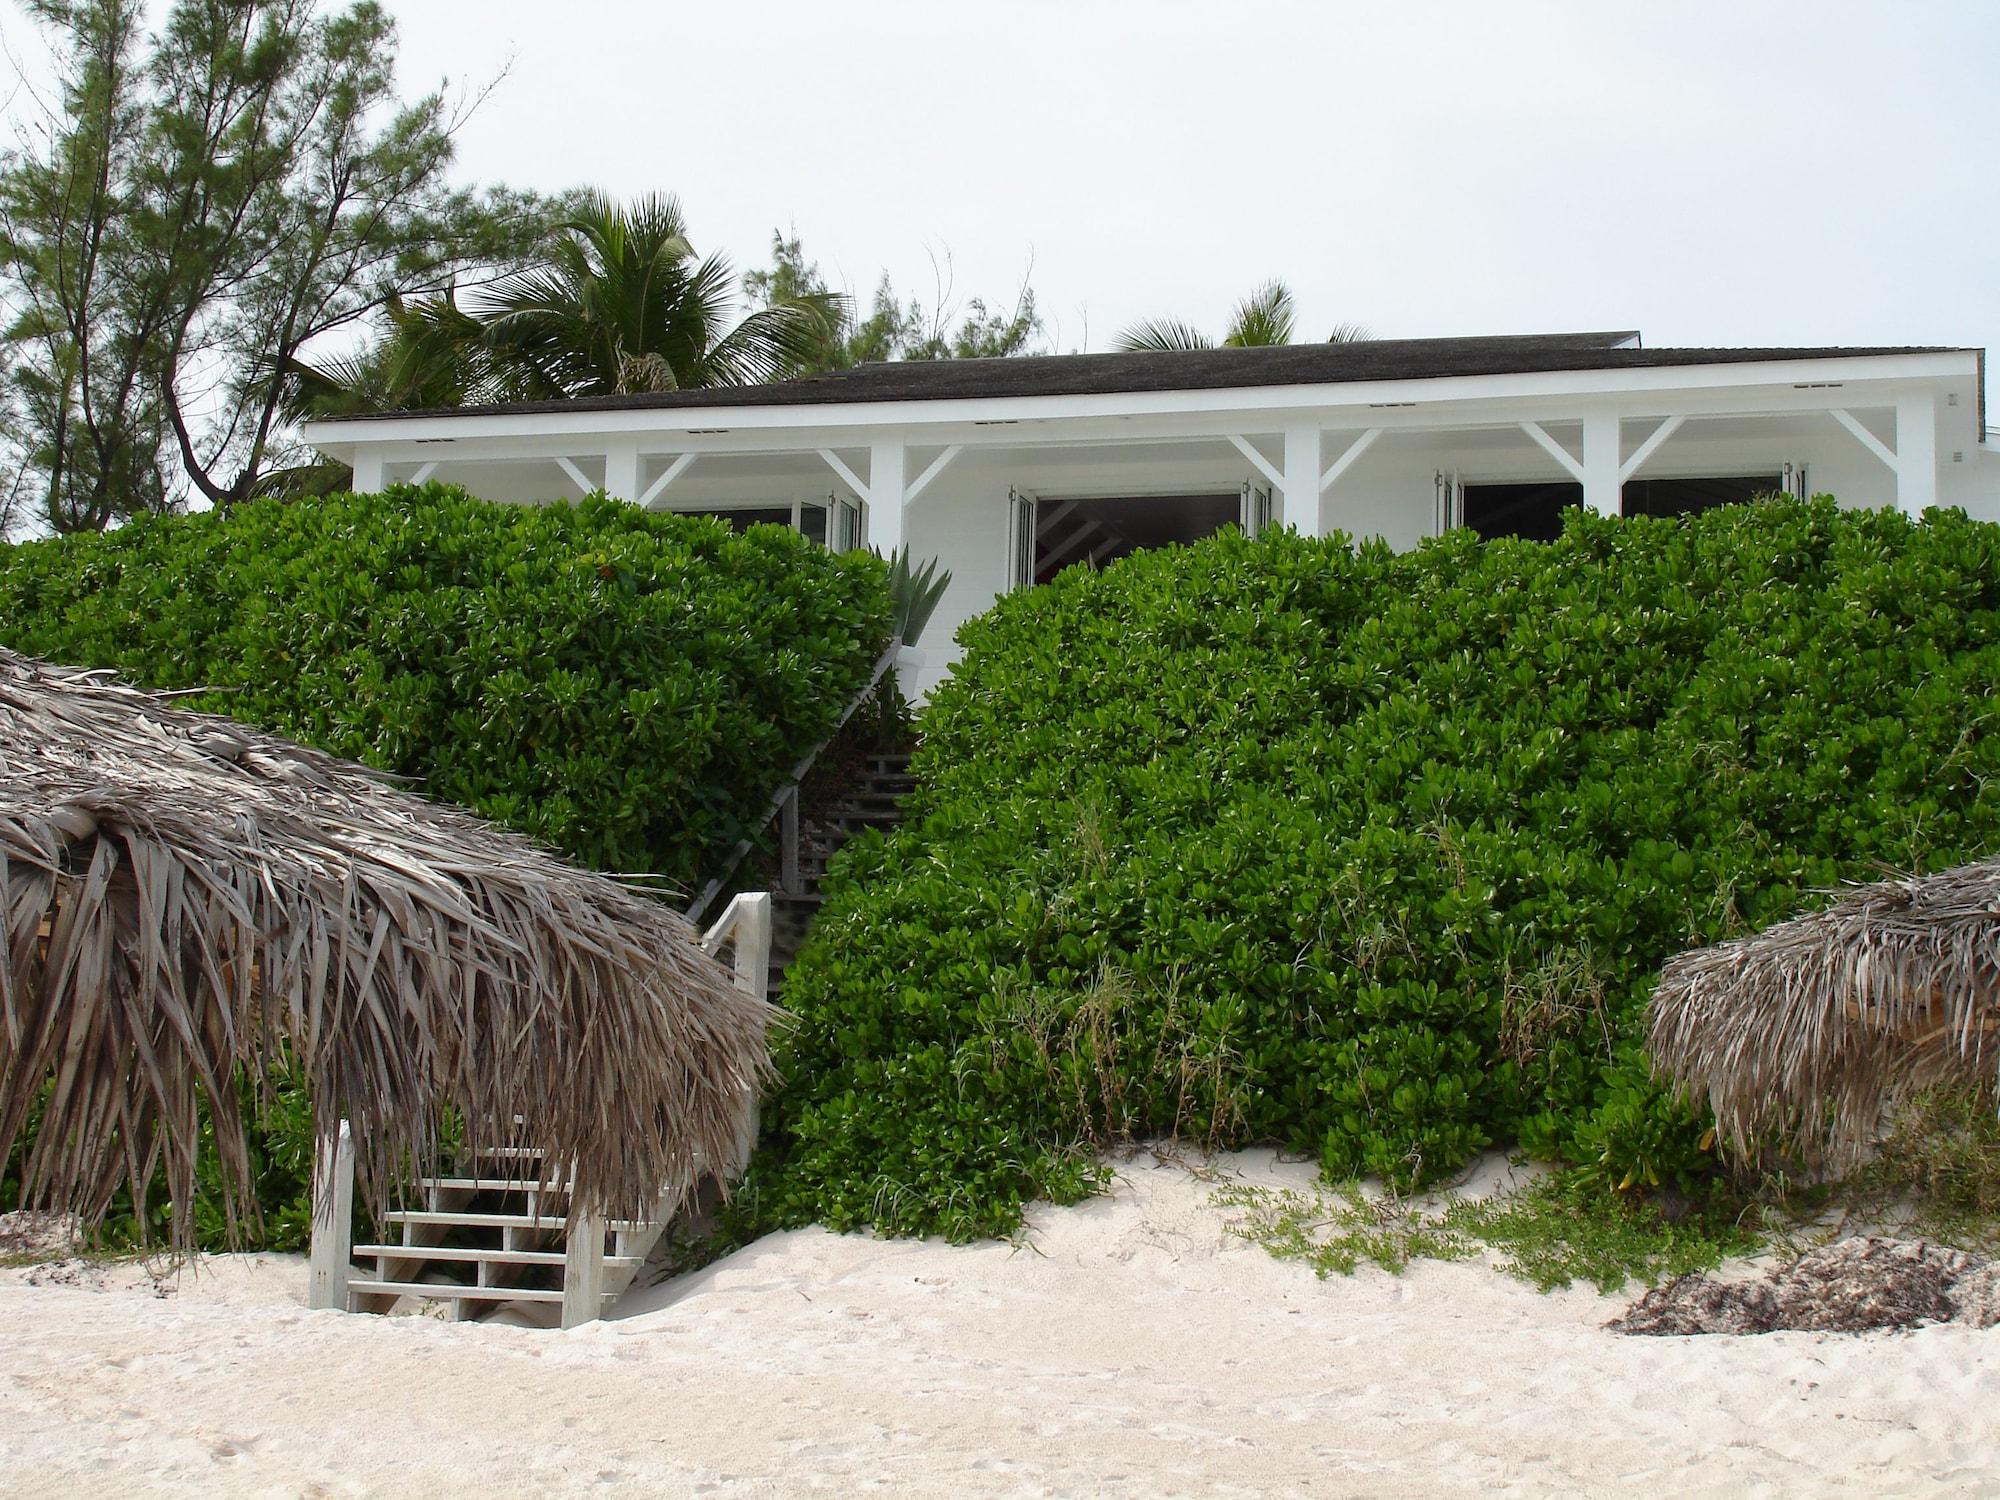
1008	470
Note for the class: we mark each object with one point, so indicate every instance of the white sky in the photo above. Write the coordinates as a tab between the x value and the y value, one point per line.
1751	171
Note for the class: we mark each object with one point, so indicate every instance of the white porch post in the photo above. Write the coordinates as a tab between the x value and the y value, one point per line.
621	472
1916	454
1601	463
367	472
887	465
1302	487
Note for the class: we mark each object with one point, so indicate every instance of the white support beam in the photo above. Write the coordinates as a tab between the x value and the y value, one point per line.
673	471
887	495
1866	438
1301	487
1648	448
368	471
1264	465
1603	490
583	1271
424	472
937	466
1342	464
577	476
839	466
1916	454
1555	450
621	471
332	1249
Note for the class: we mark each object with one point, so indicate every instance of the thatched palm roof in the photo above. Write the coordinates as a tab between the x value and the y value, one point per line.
184	900
1816	1024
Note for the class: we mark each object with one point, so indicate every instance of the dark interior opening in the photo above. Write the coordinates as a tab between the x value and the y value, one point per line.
1687	497
1097	532
1535	511
812	518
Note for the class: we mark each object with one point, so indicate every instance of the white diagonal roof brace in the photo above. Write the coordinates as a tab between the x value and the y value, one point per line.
1648	448
424	471
576	475
839	466
674	471
937	467
1868	439
1269	470
1556	450
1346	460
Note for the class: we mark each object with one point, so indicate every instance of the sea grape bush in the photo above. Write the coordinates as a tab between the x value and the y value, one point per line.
624	686
1373	856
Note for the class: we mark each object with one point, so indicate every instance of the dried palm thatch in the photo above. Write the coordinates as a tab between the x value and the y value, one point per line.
1813	1027
185	901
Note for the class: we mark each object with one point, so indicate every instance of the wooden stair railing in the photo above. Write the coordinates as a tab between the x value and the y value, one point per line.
784	804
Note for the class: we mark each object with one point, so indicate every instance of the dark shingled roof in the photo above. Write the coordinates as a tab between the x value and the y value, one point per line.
1179	370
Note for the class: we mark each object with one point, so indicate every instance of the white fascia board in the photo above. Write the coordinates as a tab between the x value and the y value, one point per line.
998	420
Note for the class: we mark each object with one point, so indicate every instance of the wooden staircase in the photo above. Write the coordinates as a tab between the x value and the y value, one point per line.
499	1235
873	800
500	1238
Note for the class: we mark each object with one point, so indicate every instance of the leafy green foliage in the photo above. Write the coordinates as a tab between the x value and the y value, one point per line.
893	328
624	686
201	205
1381	853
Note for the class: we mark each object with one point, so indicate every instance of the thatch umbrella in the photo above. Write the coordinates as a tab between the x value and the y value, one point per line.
184	900
1812	1027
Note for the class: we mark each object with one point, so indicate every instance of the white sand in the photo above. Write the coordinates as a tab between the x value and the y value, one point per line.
1129	1347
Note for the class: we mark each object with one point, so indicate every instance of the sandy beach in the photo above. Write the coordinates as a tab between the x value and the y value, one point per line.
1128	1346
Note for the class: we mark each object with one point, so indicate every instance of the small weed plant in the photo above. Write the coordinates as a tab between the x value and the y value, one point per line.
1557	1230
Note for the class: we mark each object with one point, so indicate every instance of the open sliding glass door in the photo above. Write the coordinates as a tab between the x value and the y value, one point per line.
1255	516
1020	540
1450	493
846	522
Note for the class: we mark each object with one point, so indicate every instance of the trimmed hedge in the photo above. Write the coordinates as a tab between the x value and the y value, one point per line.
624	686
1373	856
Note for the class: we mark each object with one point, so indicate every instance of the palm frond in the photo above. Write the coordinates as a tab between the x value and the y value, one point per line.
1263	319
1164	335
1349	333
183	899
1811	1027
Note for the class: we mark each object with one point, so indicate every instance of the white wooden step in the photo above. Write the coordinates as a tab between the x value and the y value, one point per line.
442	1293
492	1184
491	1257
498	1220
513	1153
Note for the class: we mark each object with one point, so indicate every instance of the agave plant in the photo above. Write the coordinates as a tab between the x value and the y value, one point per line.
1267	317
914	593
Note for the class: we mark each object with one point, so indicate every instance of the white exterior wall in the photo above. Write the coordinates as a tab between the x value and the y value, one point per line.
964	456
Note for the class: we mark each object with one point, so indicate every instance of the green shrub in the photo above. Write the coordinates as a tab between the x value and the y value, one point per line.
624	686
1373	856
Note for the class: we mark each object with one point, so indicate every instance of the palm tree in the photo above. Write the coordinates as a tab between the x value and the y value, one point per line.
1264	318
618	303
622	305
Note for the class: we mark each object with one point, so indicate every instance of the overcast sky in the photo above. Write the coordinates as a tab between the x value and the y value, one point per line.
1709	173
